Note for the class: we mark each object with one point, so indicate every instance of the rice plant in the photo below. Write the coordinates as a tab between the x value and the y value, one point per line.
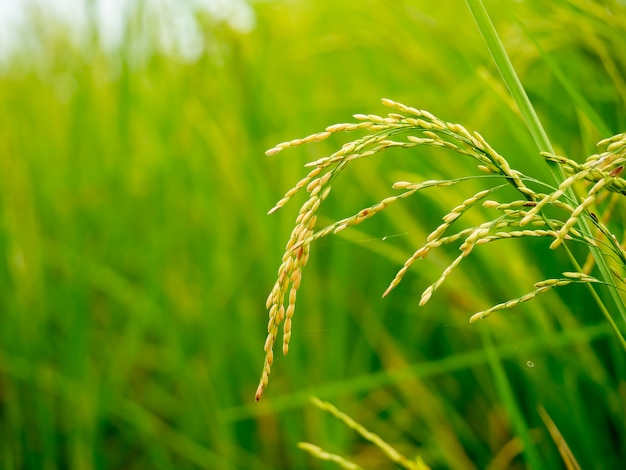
564	211
136	254
526	216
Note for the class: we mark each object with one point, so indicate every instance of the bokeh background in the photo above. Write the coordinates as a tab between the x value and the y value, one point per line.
136	254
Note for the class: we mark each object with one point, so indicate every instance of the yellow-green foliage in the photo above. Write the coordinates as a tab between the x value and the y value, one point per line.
136	254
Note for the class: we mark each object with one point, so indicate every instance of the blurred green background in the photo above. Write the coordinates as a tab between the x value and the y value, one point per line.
136	254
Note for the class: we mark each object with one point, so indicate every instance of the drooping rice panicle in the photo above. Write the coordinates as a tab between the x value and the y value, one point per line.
290	276
517	234
595	168
591	197
433	237
359	217
423	252
406	127
599	166
466	247
568	165
293	191
370	211
553	197
540	288
618	140
510	303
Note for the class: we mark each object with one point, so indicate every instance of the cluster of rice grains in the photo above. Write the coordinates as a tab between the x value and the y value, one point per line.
515	219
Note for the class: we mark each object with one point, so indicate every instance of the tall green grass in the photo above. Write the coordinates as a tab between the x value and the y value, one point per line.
137	256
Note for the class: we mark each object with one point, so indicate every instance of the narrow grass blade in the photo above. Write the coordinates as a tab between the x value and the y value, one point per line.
513	83
557	437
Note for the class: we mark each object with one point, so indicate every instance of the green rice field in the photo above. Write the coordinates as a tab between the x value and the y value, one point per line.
136	252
